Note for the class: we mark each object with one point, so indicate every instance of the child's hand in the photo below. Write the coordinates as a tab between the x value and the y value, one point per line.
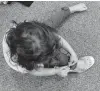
63	71
73	60
73	57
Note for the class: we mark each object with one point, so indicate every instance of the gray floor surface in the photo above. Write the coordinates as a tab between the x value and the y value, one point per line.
81	30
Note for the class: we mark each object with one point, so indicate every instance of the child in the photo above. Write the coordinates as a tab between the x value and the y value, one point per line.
34	48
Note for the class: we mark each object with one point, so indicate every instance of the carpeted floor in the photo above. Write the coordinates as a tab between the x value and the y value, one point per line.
81	30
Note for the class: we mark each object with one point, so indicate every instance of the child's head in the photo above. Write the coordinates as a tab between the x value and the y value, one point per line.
32	42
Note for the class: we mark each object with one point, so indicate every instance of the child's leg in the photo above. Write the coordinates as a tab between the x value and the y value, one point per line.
59	17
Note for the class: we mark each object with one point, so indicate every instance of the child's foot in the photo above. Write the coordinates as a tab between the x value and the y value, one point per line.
78	8
83	64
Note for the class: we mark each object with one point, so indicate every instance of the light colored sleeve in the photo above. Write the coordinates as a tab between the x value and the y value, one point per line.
6	53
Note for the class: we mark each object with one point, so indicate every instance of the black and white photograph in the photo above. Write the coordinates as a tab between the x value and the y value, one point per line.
49	46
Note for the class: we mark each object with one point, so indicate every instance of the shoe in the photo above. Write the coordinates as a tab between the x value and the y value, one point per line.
84	64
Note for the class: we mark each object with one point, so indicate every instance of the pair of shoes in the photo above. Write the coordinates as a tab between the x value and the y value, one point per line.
84	64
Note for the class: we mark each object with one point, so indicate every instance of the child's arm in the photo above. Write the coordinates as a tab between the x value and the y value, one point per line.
44	72
61	71
64	44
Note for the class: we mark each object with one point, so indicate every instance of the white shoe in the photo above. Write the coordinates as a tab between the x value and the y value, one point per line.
84	64
78	8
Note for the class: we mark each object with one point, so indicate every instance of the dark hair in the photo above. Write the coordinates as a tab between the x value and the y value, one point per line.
32	42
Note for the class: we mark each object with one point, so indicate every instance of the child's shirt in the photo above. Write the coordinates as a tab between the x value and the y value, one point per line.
58	59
